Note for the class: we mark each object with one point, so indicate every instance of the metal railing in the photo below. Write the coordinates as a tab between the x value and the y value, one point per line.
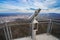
8	33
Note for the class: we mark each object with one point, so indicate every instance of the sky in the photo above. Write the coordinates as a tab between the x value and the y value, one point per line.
28	5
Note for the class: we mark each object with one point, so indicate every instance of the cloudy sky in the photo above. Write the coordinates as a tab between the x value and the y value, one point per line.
19	5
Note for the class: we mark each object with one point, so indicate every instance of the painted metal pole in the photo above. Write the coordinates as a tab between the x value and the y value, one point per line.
34	21
49	26
33	32
7	29
34	29
5	33
4	28
10	31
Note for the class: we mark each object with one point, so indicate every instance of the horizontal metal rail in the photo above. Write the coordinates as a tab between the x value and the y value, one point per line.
26	23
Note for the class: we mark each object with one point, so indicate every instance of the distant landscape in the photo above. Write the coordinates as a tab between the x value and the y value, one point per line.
24	30
43	15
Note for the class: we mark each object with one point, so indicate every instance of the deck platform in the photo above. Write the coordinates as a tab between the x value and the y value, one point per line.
40	37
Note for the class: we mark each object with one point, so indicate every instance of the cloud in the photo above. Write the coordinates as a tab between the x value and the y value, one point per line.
13	8
45	4
26	5
24	1
40	5
51	11
10	6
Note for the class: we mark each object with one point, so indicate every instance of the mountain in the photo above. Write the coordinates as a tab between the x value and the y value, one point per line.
13	14
9	17
49	16
24	16
54	15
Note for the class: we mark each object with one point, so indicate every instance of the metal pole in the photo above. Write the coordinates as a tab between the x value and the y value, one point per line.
49	26
33	32
7	31
10	33
34	28
5	34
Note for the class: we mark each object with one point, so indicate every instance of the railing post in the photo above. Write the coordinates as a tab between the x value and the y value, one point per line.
49	28
8	33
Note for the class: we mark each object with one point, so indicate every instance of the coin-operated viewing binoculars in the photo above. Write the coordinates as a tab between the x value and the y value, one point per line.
35	24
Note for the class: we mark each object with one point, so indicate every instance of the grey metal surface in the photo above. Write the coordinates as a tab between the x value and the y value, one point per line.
49	26
5	28
5	34
40	37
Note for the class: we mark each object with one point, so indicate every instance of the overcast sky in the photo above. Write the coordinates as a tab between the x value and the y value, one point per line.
19	5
